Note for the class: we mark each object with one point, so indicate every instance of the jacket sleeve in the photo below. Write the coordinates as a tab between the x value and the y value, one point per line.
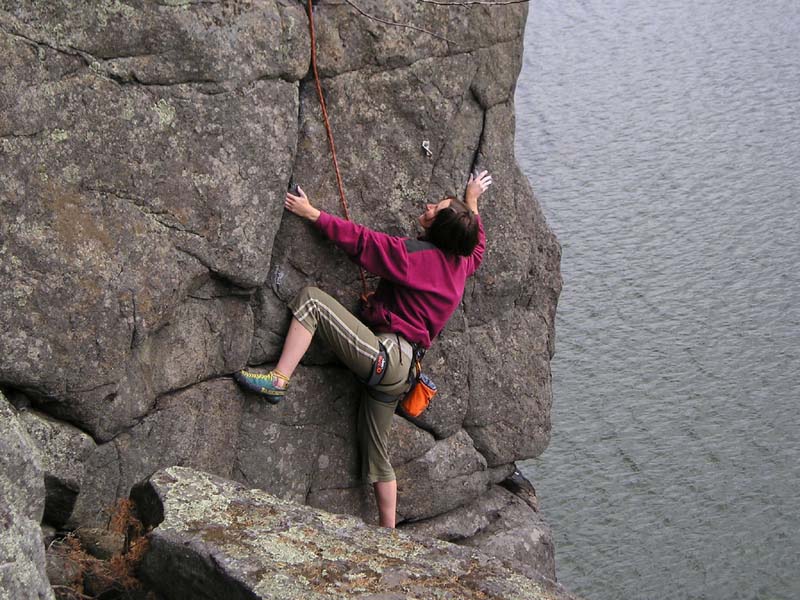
380	254
476	258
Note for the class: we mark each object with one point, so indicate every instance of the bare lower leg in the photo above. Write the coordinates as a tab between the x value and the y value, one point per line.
297	342
386	498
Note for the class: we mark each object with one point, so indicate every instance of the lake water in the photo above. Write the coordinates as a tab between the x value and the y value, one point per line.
663	142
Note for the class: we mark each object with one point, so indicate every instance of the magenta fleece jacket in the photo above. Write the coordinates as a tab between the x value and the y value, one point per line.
420	285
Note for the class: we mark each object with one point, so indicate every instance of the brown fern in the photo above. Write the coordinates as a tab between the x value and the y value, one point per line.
116	574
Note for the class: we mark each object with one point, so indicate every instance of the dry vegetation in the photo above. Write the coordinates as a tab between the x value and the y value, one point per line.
114	578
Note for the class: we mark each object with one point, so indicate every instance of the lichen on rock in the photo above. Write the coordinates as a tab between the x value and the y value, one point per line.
215	538
22	559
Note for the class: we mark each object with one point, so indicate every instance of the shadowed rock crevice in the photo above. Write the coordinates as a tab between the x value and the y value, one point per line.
477	156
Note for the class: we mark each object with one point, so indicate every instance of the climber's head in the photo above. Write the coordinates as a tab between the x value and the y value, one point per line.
451	226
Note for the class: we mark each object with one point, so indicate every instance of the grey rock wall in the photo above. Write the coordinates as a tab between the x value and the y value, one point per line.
22	558
145	149
499	523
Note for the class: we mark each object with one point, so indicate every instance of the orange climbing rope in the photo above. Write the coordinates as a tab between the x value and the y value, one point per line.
328	129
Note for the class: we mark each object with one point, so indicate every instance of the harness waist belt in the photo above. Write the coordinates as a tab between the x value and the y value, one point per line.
378	370
380	364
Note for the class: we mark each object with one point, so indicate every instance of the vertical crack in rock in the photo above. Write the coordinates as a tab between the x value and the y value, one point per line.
479	147
136	336
239	474
117	491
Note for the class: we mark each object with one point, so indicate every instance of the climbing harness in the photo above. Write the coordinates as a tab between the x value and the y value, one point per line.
378	370
422	389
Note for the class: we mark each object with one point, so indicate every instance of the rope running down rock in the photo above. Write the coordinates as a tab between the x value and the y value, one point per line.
328	129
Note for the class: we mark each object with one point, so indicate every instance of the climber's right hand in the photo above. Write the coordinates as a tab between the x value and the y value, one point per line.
300	205
478	183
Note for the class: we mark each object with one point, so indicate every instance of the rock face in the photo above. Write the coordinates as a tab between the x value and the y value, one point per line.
217	539
22	559
145	149
64	450
498	523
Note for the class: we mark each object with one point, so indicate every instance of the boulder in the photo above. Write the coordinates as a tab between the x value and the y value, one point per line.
64	450
450	474
414	454
23	567
21	473
407	442
196	427
498	523
510	307
510	392
217	539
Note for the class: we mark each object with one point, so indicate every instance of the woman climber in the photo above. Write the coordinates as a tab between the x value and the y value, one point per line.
422	282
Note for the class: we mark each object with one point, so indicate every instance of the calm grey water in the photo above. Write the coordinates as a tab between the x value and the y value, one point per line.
663	141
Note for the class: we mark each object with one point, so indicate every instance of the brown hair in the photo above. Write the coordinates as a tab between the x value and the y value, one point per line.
454	229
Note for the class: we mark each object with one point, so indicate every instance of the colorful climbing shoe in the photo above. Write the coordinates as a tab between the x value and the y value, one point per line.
263	384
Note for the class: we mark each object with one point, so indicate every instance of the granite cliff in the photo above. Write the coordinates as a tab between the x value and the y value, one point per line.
145	149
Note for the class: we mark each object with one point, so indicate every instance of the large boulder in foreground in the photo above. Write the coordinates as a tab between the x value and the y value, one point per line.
22	560
217	539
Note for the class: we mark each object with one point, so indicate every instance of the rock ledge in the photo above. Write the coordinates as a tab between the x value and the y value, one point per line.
215	538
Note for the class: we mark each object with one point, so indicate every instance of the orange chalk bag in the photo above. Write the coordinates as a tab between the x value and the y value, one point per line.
419	396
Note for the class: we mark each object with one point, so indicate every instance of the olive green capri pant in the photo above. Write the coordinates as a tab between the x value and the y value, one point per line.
357	346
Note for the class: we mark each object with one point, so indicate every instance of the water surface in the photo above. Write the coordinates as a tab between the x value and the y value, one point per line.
663	141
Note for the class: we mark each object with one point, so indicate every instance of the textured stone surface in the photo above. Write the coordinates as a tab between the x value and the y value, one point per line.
196	427
121	196
217	539
23	569
307	441
101	543
498	523
145	148
22	558
64	450
448	364
450	474
21	473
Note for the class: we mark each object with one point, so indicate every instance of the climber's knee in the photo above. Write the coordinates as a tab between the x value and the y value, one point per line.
304	308
304	295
